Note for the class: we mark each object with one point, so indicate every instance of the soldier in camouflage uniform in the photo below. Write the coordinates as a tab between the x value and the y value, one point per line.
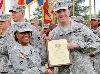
4	58
81	41
18	13
96	59
24	58
78	19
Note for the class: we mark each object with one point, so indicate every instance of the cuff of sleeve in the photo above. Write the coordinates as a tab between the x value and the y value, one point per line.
42	69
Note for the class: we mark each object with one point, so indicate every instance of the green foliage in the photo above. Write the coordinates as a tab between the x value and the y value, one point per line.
79	9
99	13
38	13
40	23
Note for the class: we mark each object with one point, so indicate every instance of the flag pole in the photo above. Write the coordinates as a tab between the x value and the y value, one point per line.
42	14
3	6
90	9
95	8
29	11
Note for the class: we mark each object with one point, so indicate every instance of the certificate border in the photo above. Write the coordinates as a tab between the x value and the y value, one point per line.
59	64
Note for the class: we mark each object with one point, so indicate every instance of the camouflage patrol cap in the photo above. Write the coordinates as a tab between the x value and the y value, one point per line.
60	4
73	18
98	18
4	17
23	26
78	18
17	9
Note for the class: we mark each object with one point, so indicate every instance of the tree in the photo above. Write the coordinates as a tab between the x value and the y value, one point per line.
79	9
99	13
38	13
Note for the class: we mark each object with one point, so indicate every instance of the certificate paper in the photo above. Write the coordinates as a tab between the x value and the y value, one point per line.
58	53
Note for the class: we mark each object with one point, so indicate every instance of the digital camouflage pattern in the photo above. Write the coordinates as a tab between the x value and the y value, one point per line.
26	60
98	31
4	56
84	38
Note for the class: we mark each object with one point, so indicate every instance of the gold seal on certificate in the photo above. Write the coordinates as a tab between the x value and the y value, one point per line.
58	54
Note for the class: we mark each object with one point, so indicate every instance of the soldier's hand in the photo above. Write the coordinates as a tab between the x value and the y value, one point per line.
92	54
48	70
71	45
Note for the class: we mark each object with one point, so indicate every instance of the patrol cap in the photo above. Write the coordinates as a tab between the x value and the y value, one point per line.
46	26
98	18
78	18
60	4
33	20
4	17
23	26
73	18
17	9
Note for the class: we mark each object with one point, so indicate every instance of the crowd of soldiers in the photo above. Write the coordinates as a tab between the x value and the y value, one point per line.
23	48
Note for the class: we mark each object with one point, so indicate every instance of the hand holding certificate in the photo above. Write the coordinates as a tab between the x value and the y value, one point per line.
58	52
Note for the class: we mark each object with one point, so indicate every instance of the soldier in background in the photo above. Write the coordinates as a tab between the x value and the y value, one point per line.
6	20
78	19
73	18
4	58
97	31
96	59
35	22
81	41
24	58
18	13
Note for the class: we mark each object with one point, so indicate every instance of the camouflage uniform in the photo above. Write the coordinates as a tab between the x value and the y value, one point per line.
4	57
35	41
84	38
31	64
98	31
96	59
25	59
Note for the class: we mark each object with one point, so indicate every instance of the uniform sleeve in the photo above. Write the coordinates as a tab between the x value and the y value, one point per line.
53	34
10	37
38	62
91	39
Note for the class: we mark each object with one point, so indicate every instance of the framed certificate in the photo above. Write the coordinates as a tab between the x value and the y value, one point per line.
58	53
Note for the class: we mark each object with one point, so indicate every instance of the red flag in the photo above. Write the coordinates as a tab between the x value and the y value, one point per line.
47	18
21	2
1	2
